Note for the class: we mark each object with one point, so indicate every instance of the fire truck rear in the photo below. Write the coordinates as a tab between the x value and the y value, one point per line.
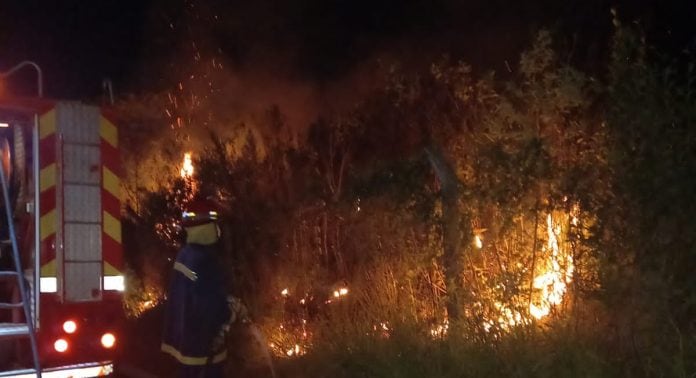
62	163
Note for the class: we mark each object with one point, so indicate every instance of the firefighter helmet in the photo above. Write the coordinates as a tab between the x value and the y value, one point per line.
198	212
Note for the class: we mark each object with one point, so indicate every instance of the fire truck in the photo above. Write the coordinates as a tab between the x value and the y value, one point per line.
61	312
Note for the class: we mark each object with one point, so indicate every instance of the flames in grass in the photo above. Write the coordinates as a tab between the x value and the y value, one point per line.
543	292
556	272
552	271
547	286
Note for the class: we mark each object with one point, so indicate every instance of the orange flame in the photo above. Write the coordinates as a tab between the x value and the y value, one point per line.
558	272
187	166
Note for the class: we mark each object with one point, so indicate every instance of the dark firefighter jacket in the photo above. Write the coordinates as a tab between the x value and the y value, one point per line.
196	308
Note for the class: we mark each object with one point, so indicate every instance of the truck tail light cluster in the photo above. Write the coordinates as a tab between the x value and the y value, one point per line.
61	345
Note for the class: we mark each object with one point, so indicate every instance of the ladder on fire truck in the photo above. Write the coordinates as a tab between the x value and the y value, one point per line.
18	329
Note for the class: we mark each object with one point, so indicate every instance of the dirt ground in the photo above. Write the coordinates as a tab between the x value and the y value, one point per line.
142	357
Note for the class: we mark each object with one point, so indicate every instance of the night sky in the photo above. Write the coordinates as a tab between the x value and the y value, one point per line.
139	44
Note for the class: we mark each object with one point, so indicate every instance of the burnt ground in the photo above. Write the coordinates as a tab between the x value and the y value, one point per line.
142	357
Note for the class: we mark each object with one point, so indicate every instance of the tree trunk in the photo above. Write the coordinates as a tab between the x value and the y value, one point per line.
451	228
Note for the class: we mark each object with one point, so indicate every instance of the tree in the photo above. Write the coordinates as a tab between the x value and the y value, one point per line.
648	220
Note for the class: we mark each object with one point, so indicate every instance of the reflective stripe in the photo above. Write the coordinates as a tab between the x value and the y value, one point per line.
110	270
48	269
48	285
47	177
48	224
108	132
191	216
47	124
111	182
190	274
114	283
72	371
112	226
189	360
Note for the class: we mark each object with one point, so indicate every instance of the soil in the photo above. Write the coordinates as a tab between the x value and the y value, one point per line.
142	357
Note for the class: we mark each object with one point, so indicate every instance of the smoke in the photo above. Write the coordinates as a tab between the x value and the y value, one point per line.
233	65
236	62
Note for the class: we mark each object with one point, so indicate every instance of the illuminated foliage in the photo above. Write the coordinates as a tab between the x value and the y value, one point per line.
453	206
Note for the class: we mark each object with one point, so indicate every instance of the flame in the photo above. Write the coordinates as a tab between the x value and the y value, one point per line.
295	351
550	283
553	272
340	292
478	241
187	166
558	272
440	330
285	292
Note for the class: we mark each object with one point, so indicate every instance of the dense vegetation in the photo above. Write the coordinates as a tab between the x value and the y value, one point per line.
536	224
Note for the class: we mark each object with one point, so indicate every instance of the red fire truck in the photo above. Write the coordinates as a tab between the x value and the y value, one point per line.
62	166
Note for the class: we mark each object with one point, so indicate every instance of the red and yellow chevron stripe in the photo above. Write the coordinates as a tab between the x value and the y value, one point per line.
111	198
110	192
47	187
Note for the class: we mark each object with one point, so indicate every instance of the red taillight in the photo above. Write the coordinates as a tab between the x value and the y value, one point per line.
69	326
108	340
61	345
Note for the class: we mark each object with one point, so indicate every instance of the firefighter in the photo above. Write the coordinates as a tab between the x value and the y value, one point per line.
198	310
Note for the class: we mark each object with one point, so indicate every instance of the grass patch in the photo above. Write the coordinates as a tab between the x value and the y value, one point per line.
407	353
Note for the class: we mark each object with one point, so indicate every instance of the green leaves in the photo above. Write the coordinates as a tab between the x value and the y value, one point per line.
538	62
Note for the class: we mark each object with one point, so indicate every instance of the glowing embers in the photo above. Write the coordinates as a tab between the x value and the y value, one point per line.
292	336
291	341
296	351
149	298
439	331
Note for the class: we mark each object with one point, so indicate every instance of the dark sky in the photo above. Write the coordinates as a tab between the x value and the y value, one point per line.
77	43
139	43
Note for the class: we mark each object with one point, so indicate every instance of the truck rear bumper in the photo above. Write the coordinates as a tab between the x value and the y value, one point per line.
86	370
